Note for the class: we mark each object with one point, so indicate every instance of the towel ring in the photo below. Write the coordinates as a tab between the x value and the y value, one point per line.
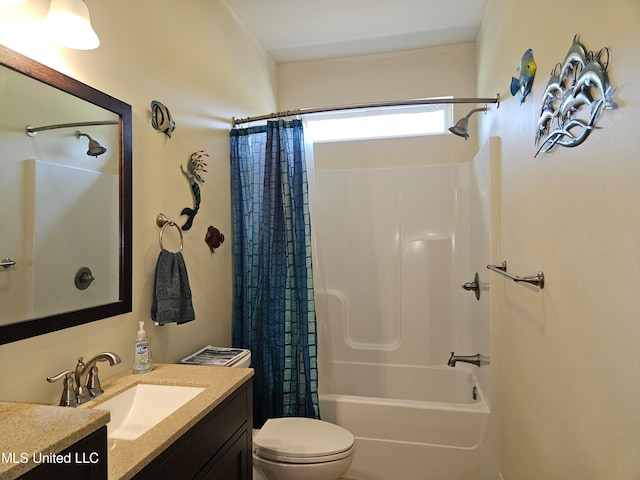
164	222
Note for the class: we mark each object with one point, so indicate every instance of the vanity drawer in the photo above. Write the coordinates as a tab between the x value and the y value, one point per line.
196	449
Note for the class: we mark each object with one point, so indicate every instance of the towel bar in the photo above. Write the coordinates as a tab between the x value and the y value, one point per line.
536	279
7	262
163	222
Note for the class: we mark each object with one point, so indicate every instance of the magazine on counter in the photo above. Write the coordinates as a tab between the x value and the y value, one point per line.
210	355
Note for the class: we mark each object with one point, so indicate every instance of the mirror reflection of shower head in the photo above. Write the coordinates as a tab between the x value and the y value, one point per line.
95	148
461	128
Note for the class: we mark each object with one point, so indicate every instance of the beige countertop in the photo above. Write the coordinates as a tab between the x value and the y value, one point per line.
29	431
22	426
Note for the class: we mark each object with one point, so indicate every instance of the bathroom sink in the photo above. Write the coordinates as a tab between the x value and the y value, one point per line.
143	406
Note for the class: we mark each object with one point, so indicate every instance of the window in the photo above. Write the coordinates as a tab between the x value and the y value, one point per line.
379	122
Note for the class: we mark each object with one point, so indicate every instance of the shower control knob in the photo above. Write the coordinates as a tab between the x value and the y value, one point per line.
83	278
473	286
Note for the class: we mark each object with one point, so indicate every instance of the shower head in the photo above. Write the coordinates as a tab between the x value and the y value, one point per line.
95	148
461	128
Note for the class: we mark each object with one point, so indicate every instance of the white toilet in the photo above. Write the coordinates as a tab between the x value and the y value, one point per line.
296	448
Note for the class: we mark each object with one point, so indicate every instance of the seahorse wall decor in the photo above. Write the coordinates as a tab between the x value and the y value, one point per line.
195	165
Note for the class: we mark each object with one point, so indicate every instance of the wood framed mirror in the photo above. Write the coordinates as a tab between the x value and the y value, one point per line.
66	210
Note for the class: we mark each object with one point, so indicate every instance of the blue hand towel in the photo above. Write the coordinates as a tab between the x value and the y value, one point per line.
171	291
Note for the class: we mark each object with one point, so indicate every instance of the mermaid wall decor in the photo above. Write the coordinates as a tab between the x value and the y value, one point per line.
195	165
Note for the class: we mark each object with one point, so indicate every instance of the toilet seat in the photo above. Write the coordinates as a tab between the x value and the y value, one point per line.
302	441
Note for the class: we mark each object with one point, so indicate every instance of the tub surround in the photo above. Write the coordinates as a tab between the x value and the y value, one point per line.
39	428
435	220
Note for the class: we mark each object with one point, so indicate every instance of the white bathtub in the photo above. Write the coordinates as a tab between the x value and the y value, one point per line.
410	422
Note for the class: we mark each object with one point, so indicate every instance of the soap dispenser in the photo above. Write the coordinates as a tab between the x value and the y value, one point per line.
142	355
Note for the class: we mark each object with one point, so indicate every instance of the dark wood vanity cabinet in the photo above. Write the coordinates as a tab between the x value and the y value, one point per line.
84	460
218	447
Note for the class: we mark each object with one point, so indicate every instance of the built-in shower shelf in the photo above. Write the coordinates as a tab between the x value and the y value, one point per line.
537	279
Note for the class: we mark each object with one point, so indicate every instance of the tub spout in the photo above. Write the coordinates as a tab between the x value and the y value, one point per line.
477	359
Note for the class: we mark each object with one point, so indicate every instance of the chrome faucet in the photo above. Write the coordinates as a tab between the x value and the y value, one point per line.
476	359
83	384
88	384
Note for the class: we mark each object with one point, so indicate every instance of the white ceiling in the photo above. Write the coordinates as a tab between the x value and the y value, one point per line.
298	30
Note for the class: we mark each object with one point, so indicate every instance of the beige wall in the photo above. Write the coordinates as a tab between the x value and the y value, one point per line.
200	62
421	73
570	363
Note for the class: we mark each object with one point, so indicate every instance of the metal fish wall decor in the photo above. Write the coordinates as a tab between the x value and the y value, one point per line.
576	95
161	118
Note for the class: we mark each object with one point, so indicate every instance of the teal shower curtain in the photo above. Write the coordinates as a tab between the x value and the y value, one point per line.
274	309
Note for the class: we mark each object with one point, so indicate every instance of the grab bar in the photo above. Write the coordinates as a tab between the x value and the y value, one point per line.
536	279
7	262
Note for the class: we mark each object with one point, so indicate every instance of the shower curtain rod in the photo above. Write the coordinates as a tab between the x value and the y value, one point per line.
32	131
355	106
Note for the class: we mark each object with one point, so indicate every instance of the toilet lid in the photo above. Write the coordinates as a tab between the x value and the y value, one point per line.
302	440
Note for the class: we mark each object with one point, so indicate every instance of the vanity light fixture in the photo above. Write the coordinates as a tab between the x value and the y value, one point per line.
68	24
